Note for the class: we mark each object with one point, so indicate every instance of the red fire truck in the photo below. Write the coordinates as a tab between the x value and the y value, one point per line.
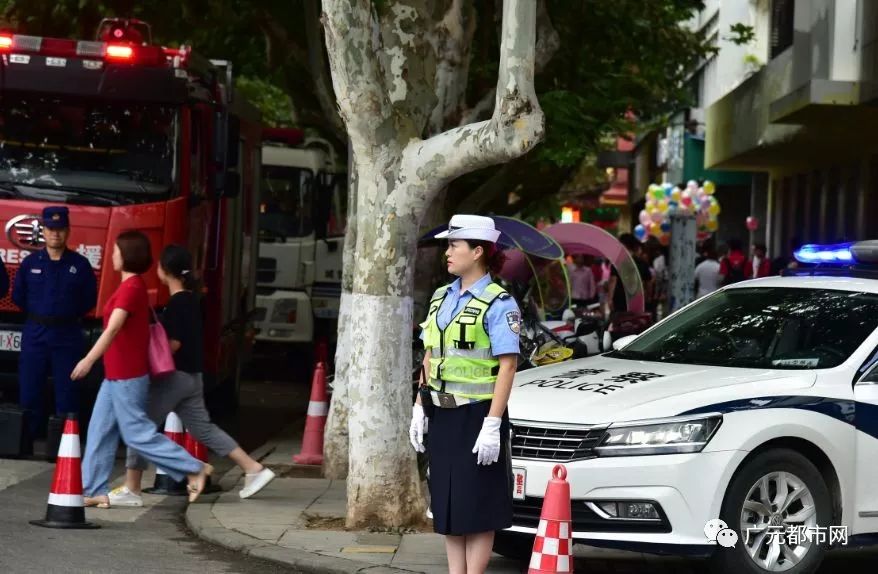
131	135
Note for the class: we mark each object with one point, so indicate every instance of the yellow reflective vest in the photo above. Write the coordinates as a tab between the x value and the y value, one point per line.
461	362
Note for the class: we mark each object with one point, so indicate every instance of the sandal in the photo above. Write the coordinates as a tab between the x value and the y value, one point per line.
196	485
96	501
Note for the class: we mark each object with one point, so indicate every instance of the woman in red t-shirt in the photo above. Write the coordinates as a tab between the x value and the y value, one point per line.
120	408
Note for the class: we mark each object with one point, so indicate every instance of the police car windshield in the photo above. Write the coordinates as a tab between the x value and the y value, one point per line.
763	327
87	145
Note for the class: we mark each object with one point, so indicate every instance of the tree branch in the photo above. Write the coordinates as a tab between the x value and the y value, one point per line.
408	63
452	39
548	43
317	67
548	39
515	128
356	78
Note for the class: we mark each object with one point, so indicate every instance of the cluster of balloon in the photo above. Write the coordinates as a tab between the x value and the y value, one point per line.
666	199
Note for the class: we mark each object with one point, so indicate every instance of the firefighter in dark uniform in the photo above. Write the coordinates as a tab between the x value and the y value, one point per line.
56	288
471	342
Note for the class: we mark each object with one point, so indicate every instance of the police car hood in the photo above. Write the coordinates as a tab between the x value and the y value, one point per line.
603	389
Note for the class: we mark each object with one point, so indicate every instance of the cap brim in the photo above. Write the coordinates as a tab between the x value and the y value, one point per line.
473	233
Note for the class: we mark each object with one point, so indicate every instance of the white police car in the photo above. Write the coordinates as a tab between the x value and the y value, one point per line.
756	405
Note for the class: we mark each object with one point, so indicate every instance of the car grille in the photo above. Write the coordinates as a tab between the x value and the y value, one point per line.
526	513
535	441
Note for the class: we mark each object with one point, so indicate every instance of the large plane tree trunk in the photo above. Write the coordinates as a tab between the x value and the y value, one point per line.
382	73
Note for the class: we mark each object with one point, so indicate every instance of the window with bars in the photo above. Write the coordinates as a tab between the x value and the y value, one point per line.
782	12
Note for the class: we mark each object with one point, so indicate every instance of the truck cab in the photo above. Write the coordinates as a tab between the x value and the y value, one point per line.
302	207
131	135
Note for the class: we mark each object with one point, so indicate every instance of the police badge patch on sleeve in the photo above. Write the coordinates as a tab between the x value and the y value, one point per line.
513	319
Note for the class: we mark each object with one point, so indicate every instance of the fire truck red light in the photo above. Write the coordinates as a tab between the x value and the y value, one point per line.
119	52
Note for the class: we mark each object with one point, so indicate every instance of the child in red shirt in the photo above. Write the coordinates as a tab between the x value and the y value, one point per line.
120	408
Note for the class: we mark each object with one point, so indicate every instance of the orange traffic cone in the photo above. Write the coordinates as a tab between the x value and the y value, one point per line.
553	546
164	484
318	408
199	451
66	507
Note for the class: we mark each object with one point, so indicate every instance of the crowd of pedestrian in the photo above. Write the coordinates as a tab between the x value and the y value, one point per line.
593	280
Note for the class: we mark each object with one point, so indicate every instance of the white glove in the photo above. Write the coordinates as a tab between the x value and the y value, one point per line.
418	427
488	444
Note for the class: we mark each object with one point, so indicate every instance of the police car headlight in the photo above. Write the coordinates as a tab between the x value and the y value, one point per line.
666	436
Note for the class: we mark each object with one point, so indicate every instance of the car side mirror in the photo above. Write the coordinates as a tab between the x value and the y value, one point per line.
623	342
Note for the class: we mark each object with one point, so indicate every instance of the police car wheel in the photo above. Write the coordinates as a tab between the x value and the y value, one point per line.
778	491
514	545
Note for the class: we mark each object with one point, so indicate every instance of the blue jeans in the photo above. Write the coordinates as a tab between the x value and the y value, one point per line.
120	409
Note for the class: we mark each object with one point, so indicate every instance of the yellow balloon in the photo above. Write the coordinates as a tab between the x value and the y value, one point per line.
712	225
655	229
709	188
650	205
675	195
713	209
663	205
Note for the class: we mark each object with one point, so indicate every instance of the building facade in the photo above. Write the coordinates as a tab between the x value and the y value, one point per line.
797	105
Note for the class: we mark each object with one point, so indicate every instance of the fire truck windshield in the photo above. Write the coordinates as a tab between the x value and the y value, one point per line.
82	151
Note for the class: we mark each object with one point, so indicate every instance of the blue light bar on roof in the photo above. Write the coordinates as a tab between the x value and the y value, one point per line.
838	254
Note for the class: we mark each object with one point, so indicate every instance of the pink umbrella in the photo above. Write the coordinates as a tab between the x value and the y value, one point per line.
585	239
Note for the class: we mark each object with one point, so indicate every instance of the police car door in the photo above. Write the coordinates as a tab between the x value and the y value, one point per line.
865	517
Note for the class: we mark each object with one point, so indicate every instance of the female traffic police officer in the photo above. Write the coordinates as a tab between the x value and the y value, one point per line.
471	339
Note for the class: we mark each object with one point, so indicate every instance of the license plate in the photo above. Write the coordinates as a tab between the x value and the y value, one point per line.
10	341
519	477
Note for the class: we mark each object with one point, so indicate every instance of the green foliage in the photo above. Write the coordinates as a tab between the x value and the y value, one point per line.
273	102
620	61
741	34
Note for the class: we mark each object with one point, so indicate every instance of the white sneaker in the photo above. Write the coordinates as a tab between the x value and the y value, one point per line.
253	483
123	497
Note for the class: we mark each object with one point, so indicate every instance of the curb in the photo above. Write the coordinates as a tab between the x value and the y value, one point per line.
202	522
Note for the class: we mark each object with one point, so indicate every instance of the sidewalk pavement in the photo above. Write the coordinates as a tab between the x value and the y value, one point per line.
299	521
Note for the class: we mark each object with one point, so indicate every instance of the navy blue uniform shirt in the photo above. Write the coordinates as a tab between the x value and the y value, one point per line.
65	289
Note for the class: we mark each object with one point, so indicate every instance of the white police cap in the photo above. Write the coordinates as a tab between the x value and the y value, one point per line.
477	227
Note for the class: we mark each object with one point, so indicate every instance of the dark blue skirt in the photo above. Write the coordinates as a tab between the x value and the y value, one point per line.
465	497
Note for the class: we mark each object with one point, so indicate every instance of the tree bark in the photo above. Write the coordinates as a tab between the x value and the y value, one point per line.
451	40
335	446
399	175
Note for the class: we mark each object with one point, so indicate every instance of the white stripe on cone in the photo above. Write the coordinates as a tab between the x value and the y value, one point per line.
317	409
69	447
173	423
74	500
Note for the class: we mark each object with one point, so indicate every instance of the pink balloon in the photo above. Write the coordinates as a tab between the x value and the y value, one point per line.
645	219
657	216
752	223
